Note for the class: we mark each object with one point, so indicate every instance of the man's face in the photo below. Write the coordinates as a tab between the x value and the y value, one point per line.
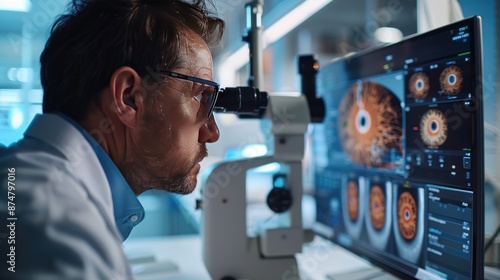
170	140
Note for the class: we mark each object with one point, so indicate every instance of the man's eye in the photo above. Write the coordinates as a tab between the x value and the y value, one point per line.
202	96
199	97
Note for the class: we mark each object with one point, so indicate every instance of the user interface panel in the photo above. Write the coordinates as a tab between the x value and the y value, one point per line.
399	157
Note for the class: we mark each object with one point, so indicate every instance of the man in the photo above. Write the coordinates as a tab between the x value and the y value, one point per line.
127	107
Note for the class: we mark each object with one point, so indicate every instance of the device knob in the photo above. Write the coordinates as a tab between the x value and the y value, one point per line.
279	200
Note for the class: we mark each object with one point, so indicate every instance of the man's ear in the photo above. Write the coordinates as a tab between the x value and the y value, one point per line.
125	87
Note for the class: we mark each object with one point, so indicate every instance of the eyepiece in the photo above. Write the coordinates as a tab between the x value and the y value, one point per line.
244	101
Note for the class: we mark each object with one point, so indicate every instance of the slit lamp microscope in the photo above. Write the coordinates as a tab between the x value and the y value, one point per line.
229	252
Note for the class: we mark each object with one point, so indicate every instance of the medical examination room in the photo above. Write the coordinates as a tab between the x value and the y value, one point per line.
249	139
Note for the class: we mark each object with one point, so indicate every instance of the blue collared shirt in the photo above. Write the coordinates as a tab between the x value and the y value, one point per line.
127	209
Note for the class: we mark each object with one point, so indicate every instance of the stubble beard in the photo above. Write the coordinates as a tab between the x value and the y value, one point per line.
141	176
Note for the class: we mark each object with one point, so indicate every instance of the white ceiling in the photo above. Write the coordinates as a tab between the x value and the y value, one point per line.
23	35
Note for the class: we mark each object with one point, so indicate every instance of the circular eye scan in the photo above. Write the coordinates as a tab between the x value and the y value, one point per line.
370	124
377	207
451	80
419	85
352	200
433	128
407	215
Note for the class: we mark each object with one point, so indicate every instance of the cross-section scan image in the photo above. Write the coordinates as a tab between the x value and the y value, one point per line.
353	190
378	226
377	207
409	222
353	199
407	215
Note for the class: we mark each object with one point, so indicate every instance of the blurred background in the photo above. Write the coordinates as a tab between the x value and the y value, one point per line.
326	28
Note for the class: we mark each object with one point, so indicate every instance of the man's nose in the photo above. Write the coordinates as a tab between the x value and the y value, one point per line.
209	131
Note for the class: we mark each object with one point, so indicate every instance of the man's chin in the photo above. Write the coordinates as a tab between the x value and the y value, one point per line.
187	184
181	183
192	180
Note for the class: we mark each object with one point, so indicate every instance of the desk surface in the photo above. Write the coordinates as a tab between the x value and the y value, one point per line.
319	258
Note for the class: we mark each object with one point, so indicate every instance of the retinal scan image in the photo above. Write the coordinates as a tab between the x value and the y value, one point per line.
418	85
437	82
433	128
370	124
451	80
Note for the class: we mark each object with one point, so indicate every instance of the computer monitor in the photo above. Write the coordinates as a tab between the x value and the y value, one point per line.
399	158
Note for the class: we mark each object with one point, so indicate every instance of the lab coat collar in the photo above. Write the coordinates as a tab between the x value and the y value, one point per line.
127	209
55	131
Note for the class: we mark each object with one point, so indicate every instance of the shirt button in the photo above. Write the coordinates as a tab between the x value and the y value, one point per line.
133	218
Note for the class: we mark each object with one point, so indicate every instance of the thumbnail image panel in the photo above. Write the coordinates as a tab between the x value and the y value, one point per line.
439	81
374	214
439	143
437	127
433	128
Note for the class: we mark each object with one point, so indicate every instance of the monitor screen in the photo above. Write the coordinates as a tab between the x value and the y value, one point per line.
399	166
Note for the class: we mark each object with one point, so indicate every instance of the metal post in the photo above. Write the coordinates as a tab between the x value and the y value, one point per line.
253	37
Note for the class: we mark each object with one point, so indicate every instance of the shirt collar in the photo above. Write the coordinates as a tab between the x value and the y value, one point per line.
128	211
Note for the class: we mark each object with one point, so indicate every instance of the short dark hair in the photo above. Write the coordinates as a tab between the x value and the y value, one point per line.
96	37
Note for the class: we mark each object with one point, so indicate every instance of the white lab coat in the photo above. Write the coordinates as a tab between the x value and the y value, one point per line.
65	227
